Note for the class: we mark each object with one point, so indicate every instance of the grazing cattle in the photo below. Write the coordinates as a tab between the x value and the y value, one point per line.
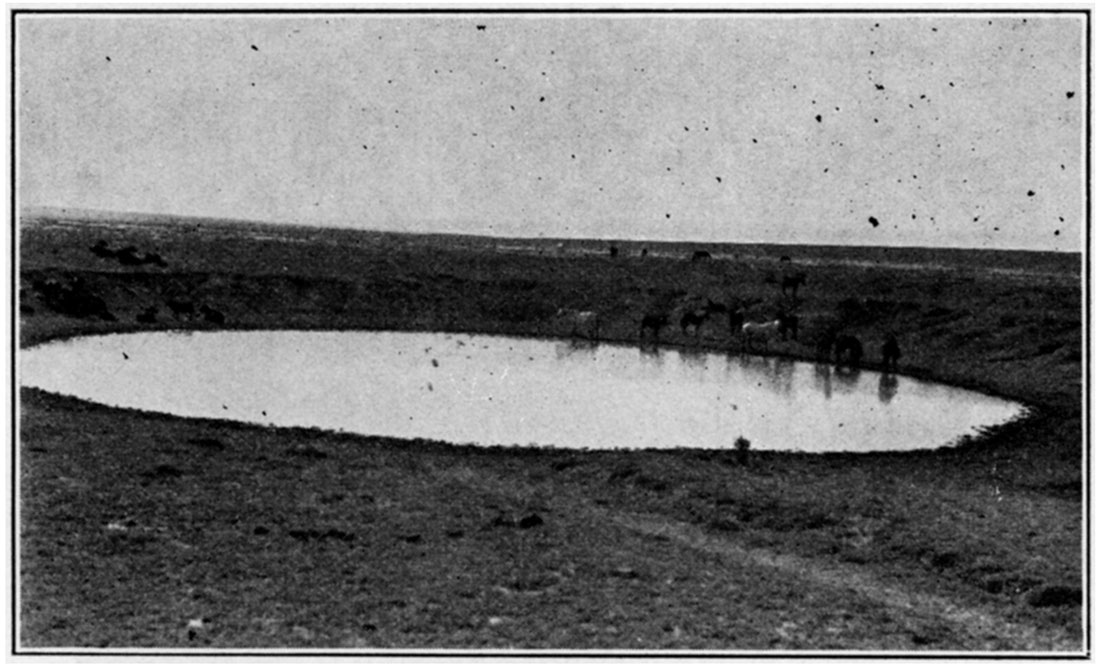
653	322
737	319
700	255
180	308
696	318
613	251
155	259
788	326
785	258
792	282
581	322
849	350
645	252
752	331
890	353
148	316
211	315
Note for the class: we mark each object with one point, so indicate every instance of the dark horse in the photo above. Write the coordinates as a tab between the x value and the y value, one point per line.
696	318
653	322
849	350
788	325
737	320
700	255
792	282
890	353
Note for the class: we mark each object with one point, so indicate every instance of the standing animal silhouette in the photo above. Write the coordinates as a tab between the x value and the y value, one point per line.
891	352
696	318
653	322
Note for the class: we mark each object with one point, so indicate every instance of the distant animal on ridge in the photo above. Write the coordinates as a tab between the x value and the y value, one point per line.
700	255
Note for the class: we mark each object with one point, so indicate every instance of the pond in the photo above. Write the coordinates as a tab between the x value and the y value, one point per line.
493	390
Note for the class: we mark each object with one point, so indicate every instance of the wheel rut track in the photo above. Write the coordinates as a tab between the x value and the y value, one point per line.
979	628
983	629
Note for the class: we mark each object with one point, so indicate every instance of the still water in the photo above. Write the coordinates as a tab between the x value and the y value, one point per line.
510	391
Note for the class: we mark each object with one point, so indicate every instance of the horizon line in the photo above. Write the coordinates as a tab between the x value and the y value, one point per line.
39	210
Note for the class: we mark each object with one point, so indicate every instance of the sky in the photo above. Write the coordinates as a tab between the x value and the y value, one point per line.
900	129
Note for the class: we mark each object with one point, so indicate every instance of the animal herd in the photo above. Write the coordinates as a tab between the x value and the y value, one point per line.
754	336
830	343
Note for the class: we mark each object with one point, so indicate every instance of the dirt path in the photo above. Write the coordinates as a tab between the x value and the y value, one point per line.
981	628
973	627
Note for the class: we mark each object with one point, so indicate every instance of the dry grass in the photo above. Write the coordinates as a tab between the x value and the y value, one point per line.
146	530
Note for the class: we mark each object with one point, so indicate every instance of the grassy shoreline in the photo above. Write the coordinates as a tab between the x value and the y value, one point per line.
992	526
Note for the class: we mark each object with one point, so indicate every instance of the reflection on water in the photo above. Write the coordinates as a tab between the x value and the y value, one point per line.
847	378
494	390
823	379
887	387
774	373
575	347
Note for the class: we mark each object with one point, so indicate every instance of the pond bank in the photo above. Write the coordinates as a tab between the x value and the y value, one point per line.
292	537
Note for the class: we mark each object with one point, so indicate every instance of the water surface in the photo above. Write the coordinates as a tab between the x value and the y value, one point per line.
508	391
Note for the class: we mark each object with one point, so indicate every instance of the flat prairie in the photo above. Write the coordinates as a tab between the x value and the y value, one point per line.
142	530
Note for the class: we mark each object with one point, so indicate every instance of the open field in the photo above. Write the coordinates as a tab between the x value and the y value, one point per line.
152	531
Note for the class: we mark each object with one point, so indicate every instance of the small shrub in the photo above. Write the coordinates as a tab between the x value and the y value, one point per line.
742	450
